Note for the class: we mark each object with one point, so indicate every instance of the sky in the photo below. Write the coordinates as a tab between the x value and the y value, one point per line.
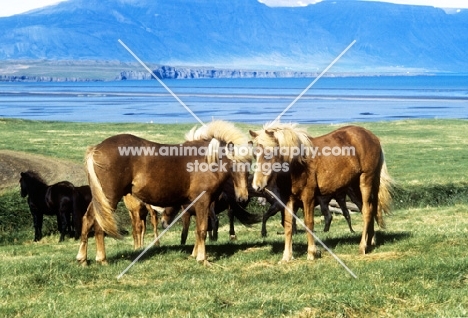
11	7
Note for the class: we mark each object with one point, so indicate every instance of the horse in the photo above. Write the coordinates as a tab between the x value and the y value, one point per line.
280	185
81	198
138	211
226	201
59	200
169	213
43	199
166	175
323	165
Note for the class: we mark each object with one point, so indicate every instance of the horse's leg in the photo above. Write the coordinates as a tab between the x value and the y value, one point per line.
143	213
232	231
202	207
185	228
294	223
87	223
367	215
100	247
287	224
274	208
323	202
341	199
64	214
38	217
61	224
69	216
154	222
214	222
308	208
77	214
136	224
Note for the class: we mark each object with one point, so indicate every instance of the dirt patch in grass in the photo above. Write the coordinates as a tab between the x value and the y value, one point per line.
51	169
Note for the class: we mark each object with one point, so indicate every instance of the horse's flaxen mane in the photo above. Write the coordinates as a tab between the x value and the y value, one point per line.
284	136
221	131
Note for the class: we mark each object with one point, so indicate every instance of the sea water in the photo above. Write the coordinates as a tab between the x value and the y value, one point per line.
255	100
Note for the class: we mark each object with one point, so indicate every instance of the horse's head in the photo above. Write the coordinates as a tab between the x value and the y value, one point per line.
265	158
277	146
23	184
229	151
240	159
168	215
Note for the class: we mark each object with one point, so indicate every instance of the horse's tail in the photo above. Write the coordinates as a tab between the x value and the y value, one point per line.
103	211
385	193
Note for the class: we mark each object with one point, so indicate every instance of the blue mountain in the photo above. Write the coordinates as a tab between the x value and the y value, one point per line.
243	34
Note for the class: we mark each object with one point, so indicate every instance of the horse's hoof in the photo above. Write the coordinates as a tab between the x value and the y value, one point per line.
232	238
363	250
286	260
103	263
205	263
83	263
315	255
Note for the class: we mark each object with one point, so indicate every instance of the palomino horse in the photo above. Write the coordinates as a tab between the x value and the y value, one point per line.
164	175
324	165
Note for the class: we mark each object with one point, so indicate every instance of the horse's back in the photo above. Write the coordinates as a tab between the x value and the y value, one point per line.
129	164
343	155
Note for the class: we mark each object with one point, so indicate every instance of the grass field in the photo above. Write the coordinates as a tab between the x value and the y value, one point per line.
419	268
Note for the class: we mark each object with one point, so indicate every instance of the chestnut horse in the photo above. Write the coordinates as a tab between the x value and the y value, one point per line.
323	165
138	211
164	175
280	185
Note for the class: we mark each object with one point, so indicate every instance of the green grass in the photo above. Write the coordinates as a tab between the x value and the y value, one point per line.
418	269
425	157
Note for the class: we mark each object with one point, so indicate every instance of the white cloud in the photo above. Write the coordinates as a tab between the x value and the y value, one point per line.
9	7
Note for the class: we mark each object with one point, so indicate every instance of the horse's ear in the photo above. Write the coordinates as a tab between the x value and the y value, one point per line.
22	174
270	133
250	143
253	134
230	150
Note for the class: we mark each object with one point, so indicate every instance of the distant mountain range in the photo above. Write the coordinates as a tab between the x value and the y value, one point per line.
243	34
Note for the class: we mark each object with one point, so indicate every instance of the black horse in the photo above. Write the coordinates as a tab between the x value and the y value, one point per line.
59	199
81	199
